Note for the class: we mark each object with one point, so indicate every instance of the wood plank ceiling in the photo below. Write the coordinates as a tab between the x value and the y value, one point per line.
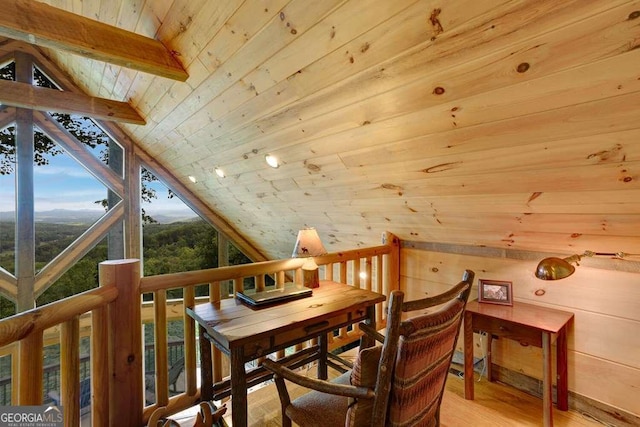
499	123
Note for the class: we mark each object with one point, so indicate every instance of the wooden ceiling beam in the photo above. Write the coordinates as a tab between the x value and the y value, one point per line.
43	25
24	95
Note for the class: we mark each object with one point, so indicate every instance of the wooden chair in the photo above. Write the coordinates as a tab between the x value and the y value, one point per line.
399	383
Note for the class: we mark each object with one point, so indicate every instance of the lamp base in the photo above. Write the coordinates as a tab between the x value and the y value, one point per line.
310	278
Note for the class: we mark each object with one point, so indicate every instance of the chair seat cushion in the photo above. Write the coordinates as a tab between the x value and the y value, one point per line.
316	409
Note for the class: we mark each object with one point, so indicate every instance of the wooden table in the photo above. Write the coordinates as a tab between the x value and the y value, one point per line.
245	333
530	325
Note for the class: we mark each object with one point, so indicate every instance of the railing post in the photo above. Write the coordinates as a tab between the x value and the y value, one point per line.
99	367
125	342
393	265
31	366
70	370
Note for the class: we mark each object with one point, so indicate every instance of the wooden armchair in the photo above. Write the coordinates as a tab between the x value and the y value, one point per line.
399	383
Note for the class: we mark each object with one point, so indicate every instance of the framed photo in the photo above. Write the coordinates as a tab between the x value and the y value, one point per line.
495	292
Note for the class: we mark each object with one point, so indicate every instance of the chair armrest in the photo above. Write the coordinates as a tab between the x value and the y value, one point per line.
371	332
318	385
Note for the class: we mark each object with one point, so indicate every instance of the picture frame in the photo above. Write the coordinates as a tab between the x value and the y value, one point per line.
495	292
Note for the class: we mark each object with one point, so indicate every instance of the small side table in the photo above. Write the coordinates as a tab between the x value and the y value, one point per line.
528	324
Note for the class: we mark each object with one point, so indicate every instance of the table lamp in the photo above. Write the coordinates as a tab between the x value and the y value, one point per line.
308	245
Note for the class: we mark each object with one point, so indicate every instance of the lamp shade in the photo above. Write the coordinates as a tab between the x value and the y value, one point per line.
308	244
554	269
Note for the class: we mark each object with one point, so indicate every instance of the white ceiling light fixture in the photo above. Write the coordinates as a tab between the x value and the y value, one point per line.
272	160
220	172
192	179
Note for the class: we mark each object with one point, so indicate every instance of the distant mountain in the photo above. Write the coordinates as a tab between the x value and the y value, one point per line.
65	216
167	217
87	216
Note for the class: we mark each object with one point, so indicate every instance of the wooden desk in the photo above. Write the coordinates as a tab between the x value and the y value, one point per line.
245	333
530	325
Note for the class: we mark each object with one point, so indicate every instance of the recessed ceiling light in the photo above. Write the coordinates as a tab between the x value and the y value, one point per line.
192	179
219	172
272	160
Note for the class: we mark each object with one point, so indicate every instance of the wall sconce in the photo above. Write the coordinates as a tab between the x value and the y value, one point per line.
308	245
558	268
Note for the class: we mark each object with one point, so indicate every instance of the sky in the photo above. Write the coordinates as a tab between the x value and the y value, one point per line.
64	184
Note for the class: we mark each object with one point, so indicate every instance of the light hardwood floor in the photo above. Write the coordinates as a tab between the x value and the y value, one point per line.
495	405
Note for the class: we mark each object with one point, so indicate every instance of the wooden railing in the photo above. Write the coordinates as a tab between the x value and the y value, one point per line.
116	337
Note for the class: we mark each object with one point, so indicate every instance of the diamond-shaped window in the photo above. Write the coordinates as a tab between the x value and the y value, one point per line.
68	200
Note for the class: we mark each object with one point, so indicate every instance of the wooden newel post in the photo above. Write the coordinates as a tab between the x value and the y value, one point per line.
393	264
125	342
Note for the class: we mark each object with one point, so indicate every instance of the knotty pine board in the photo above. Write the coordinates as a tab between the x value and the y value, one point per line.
607	292
341	66
237	105
597	177
365	165
437	137
418	63
584	27
603	341
596	202
298	16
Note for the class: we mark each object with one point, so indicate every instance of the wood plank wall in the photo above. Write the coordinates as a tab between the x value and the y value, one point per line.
604	344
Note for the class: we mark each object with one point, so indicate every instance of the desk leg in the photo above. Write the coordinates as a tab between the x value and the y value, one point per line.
238	389
487	359
468	355
323	373
366	340
562	370
547	383
206	373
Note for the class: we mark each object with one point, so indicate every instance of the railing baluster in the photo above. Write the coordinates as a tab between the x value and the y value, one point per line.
191	385
379	288
15	375
328	271
99	368
259	282
355	273
280	279
216	355
160	339
70	370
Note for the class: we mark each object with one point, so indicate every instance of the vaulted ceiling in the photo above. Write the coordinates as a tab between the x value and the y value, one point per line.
506	124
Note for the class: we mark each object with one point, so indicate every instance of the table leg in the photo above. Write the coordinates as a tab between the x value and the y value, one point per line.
366	340
487	359
562	370
547	385
206	373
468	356
238	389
323	373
